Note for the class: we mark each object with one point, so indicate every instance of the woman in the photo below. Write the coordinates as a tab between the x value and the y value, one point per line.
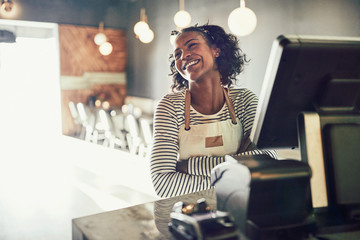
204	119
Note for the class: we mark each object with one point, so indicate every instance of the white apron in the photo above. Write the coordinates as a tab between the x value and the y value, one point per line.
210	139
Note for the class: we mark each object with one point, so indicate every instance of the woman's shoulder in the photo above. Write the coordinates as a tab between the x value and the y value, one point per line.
175	95
236	93
173	98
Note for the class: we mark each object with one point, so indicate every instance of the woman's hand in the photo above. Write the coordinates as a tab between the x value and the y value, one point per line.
182	166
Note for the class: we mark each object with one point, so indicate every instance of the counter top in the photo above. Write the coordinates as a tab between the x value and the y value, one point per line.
144	221
150	221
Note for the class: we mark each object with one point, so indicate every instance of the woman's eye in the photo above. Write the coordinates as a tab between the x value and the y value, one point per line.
192	45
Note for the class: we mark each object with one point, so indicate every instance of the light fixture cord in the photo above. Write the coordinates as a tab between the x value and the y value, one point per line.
142	14
181	5
101	26
242	3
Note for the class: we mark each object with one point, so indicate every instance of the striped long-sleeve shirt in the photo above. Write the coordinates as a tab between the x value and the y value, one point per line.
169	116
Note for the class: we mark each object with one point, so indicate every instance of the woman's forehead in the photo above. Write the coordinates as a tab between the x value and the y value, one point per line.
183	38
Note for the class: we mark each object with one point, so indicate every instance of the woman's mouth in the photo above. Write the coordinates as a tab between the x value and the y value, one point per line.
191	63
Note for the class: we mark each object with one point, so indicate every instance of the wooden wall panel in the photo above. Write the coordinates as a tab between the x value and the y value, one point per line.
79	53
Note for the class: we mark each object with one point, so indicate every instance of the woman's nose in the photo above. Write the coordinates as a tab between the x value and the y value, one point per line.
185	55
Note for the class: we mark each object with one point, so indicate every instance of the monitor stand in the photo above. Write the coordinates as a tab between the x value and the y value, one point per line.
329	143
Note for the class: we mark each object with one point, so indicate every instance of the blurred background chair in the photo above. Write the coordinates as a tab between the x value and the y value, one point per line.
147	135
119	132
125	128
133	137
79	131
87	119
106	131
102	128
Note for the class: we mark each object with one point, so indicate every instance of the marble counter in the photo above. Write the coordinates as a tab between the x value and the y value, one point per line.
144	221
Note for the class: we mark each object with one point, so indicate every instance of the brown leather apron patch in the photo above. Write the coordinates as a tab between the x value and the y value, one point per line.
216	141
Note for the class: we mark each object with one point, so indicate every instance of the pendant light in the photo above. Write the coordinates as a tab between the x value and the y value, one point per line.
147	36
142	29
9	9
141	25
242	21
100	39
7	5
182	18
105	48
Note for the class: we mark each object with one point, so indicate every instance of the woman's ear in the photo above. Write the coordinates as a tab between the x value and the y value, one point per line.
217	52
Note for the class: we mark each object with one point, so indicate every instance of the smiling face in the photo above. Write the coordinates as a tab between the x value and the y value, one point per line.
194	58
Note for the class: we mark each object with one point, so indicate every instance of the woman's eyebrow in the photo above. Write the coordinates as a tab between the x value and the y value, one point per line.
186	43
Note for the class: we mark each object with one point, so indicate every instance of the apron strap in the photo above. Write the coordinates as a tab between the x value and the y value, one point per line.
230	106
188	102
187	110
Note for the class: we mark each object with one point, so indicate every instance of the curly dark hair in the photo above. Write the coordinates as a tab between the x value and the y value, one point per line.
230	62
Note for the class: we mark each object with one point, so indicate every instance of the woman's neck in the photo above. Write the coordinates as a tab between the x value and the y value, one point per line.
207	97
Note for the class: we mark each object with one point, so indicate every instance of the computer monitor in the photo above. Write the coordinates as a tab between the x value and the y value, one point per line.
321	75
297	71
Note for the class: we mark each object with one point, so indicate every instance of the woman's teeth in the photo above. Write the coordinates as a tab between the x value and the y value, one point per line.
191	63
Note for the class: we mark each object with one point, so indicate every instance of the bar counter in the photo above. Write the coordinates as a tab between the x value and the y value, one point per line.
150	221
144	221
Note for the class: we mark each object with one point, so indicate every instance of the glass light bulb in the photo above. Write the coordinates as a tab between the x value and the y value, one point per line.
140	27
147	36
106	105
182	19
99	38
7	6
9	9
242	21
105	48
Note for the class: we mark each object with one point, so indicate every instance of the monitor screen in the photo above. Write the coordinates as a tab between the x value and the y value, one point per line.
298	69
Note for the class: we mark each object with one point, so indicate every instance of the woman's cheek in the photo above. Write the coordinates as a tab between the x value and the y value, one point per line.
178	68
